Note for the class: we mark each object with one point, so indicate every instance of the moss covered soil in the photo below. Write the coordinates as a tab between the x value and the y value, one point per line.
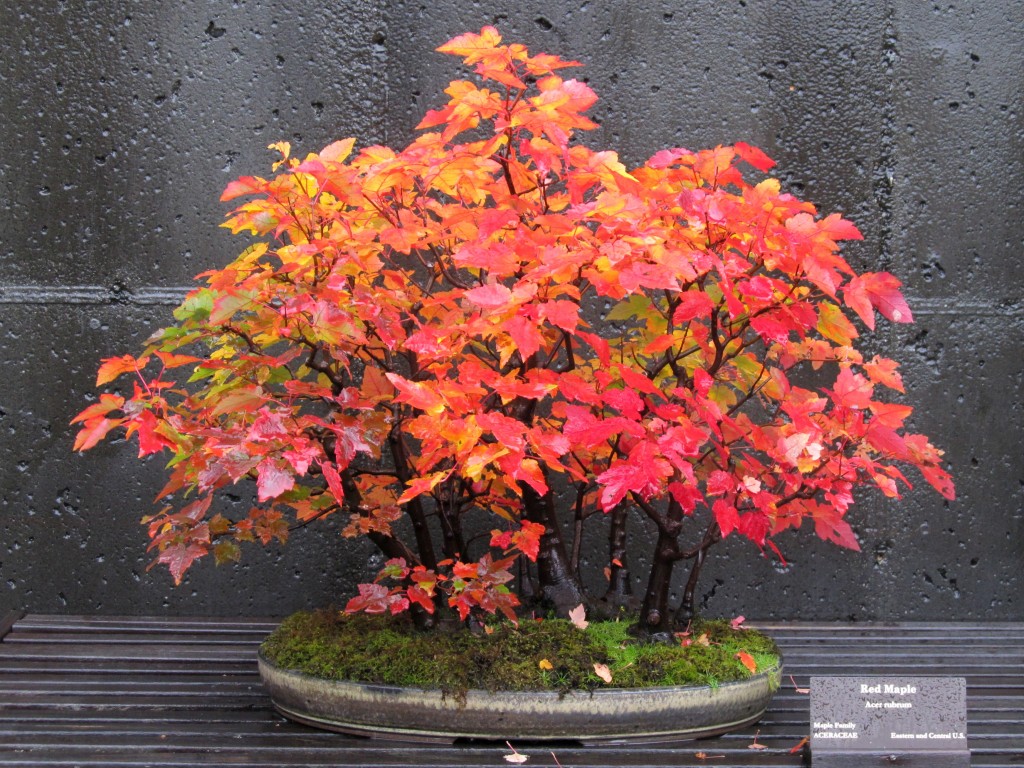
552	654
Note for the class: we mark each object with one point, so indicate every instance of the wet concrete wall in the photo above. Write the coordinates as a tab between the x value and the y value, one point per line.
122	121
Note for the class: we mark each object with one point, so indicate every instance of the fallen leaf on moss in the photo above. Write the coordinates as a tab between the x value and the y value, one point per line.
602	671
578	616
747	661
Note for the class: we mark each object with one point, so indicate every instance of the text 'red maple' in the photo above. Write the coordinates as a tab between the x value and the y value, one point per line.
410	338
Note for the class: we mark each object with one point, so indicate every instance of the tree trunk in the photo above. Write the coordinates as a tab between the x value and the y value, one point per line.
687	611
560	587
620	590
654	612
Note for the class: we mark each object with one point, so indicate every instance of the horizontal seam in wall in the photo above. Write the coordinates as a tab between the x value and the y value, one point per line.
173	295
92	294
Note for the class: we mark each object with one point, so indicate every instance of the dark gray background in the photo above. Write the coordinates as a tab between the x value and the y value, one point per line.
122	121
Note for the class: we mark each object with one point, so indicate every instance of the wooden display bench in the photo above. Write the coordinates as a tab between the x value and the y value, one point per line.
147	691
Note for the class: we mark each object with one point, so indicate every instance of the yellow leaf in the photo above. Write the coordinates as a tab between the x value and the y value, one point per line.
545	664
338	151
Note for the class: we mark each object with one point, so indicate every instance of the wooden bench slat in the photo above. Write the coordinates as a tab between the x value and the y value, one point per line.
173	691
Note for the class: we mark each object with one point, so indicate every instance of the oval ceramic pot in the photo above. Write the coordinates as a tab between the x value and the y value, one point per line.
601	715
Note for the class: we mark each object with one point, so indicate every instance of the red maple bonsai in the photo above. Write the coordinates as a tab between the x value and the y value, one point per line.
459	335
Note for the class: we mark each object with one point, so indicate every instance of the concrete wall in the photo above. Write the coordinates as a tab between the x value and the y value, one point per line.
122	121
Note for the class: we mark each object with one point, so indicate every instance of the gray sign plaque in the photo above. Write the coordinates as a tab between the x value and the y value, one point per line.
860	721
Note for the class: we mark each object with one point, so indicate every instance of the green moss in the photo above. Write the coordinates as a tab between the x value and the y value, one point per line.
551	654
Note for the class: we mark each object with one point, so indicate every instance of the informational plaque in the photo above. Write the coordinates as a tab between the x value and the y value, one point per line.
864	721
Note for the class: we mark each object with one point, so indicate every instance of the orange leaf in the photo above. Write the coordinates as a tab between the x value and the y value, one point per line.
747	661
113	367
93	432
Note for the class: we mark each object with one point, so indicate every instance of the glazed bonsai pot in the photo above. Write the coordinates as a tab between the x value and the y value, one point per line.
608	714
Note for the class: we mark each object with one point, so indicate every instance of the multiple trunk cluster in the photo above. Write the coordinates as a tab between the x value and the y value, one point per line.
440	342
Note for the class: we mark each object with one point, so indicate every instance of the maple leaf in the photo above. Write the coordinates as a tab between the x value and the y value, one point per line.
833	324
835	227
178	558
754	156
747	661
93	431
851	390
578	616
877	290
150	438
737	623
602	671
797	688
940	480
515	757
337	151
244	185
272	481
643	473
528	537
113	367
829	525
490	296
726	516
883	371
417	394
420	485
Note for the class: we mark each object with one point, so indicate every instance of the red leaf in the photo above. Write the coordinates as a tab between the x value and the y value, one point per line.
178	558
835	227
525	334
830	526
93	431
692	304
754	156
417	394
726	516
877	290
851	390
150	440
527	538
333	481
561	314
244	185
490	296
644	473
272	481
882	370
770	328
940	480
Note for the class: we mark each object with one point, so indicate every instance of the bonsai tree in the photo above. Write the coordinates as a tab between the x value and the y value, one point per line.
497	329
